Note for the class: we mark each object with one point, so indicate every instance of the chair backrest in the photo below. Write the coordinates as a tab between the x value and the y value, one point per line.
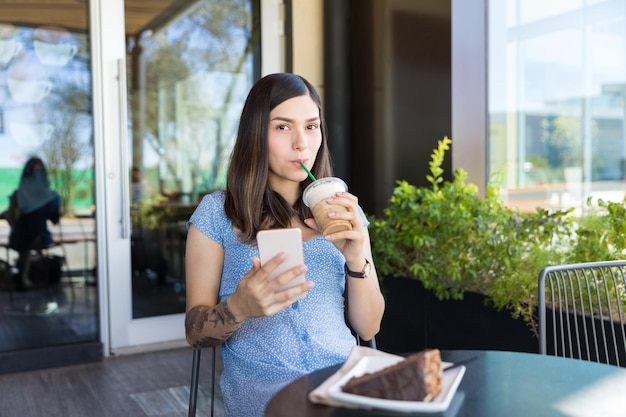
582	311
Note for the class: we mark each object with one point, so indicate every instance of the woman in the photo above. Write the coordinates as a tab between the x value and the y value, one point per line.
37	204
268	338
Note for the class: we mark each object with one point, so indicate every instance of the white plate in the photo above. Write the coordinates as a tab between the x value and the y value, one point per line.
368	364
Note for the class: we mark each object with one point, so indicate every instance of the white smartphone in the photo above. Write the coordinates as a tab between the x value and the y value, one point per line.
289	241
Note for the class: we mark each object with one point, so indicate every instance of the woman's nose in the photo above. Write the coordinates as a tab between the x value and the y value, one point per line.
299	140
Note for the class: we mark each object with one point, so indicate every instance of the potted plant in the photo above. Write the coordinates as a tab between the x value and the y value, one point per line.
455	245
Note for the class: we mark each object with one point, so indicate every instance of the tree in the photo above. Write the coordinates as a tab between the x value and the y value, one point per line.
215	37
69	110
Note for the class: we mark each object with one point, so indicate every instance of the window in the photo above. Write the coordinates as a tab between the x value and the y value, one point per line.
556	88
188	81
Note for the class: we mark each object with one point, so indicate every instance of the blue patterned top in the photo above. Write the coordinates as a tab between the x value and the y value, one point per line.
267	353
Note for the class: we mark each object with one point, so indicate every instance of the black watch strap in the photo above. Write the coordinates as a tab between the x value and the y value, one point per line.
363	274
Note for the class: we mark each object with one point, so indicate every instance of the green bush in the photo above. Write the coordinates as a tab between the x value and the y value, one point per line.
454	240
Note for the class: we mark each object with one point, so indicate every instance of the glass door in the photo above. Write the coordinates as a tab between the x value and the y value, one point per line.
188	78
48	283
188	72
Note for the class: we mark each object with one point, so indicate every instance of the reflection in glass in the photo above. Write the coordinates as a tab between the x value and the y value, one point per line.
47	295
187	84
532	10
10	43
557	89
54	46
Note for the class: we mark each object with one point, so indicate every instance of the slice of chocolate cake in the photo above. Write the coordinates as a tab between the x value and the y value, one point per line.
417	378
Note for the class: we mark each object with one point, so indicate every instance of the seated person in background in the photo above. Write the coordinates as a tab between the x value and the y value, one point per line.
37	204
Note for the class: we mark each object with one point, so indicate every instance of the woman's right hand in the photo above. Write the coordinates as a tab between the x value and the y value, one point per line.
255	296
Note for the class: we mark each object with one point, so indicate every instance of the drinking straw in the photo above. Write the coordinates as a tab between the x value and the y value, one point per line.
308	172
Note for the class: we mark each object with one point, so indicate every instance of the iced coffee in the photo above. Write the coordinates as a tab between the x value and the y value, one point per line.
315	196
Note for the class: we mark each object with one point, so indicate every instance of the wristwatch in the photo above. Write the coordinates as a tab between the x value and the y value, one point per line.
363	274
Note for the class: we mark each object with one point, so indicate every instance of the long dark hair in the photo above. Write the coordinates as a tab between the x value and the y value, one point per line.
251	204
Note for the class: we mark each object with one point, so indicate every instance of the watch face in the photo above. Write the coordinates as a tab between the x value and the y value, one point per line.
366	269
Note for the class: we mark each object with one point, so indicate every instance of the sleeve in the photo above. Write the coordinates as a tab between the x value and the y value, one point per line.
209	217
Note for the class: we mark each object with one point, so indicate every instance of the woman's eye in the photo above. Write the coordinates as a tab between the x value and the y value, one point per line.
283	127
312	127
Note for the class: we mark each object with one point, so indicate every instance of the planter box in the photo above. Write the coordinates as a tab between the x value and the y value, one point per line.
415	319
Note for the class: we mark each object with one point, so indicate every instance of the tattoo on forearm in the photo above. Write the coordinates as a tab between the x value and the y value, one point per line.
195	318
198	316
221	314
211	341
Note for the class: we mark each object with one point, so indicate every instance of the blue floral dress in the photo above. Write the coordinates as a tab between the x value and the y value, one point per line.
265	354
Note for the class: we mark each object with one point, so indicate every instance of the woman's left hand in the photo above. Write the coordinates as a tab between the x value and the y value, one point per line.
365	303
349	242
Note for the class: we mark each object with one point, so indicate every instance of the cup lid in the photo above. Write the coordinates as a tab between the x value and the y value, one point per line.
320	182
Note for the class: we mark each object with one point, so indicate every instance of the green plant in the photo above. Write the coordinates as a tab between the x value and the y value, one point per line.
454	240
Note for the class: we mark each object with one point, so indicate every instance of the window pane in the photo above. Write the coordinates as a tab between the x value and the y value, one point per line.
533	10
47	267
187	83
556	85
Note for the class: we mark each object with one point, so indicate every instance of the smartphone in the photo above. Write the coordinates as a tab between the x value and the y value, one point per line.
289	241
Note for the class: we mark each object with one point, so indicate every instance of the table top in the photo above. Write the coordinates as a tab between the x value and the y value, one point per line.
495	384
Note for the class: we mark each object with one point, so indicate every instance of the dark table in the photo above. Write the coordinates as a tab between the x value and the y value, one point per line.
495	384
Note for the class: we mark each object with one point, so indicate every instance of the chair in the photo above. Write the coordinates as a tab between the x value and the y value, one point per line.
39	296
7	283
581	311
195	376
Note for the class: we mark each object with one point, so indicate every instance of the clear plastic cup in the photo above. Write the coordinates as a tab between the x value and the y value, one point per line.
315	196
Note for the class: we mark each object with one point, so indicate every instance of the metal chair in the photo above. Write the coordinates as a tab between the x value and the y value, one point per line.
195	375
581	307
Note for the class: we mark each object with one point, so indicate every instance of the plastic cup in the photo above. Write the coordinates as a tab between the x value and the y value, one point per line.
315	196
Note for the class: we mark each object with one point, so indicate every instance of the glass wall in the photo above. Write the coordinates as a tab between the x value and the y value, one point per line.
48	291
556	90
187	82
